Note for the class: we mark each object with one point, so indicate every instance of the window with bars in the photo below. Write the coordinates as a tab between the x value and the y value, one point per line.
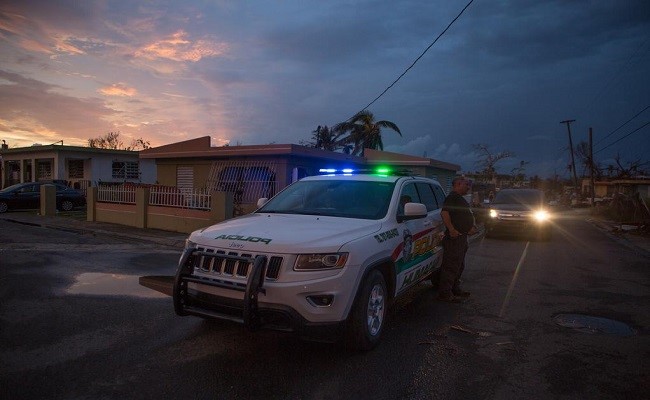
75	169
126	170
44	170
247	183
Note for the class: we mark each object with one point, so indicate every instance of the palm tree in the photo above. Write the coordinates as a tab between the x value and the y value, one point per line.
326	139
364	132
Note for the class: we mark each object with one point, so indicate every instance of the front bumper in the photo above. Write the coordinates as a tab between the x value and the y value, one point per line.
257	302
516	224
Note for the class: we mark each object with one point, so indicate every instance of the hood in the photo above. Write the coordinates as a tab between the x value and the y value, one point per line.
284	233
515	207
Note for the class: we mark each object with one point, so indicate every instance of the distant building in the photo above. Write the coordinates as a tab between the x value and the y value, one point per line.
79	167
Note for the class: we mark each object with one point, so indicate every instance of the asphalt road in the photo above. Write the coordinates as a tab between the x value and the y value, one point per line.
74	324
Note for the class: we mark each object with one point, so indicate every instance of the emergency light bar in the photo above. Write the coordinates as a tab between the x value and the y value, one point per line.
380	170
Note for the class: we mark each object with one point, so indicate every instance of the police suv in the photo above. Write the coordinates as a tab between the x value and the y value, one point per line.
325	257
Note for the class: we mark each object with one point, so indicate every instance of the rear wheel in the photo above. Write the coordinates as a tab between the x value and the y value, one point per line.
3	207
366	322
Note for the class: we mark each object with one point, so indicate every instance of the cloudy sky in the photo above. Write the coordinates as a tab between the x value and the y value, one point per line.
255	72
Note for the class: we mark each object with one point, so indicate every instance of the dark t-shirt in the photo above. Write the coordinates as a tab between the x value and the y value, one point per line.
461	215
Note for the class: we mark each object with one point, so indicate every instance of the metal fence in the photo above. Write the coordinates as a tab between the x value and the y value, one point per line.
169	196
116	194
166	196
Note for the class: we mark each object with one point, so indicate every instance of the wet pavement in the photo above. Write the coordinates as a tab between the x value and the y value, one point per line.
75	222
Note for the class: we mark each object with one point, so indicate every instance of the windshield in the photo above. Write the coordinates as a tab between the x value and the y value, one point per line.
334	198
527	197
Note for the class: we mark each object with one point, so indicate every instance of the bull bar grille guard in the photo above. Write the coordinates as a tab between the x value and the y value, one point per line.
254	285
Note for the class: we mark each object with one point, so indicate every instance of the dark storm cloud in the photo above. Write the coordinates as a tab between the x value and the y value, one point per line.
538	33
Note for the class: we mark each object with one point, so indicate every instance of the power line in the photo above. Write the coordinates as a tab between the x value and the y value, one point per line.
613	143
625	123
421	55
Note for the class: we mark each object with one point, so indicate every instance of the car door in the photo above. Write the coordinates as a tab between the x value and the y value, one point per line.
28	197
432	196
413	259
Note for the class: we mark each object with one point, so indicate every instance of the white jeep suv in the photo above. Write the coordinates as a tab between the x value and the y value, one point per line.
324	258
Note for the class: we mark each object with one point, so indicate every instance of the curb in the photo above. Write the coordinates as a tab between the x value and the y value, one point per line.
87	230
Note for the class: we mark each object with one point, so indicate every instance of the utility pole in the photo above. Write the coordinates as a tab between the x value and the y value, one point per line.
573	161
591	165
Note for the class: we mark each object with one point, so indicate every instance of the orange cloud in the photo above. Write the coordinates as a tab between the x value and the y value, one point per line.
178	48
62	45
118	89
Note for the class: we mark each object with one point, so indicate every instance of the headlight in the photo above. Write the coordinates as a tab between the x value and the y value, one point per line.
541	215
493	214
310	262
189	244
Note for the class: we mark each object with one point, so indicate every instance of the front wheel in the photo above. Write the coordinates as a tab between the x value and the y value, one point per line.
3	207
368	313
66	205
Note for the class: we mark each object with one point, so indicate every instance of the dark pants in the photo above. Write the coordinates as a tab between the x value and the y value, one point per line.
453	264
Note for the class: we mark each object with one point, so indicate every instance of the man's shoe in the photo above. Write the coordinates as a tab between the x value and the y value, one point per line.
461	293
449	299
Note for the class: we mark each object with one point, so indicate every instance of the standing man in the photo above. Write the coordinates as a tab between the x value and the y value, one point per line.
459	221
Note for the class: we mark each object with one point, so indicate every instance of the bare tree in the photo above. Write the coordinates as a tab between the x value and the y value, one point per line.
139	144
112	140
487	160
631	170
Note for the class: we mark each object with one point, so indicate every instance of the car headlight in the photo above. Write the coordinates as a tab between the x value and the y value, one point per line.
310	262
541	215
190	244
494	214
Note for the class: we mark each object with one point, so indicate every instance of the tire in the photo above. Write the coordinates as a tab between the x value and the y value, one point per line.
67	205
3	207
368	314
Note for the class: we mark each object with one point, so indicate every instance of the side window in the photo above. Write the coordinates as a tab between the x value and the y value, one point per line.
427	196
409	195
440	194
30	189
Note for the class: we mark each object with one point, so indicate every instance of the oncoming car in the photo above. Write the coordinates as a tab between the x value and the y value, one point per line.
324	258
25	196
517	212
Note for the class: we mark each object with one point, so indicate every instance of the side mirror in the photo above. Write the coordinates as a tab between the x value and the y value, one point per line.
413	211
262	201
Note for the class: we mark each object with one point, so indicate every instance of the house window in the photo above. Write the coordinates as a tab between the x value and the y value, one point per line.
126	170
44	170
75	169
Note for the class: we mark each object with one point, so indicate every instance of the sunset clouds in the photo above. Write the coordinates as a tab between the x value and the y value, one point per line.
257	72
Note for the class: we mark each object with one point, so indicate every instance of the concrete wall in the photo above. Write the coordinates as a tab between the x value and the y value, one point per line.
143	215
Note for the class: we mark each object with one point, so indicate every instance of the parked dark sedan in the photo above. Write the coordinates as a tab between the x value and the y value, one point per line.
519	211
24	196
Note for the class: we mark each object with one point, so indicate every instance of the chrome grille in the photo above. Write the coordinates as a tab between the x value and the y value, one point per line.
209	261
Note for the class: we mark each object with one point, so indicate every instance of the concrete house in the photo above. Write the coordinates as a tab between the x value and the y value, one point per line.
80	167
252	172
